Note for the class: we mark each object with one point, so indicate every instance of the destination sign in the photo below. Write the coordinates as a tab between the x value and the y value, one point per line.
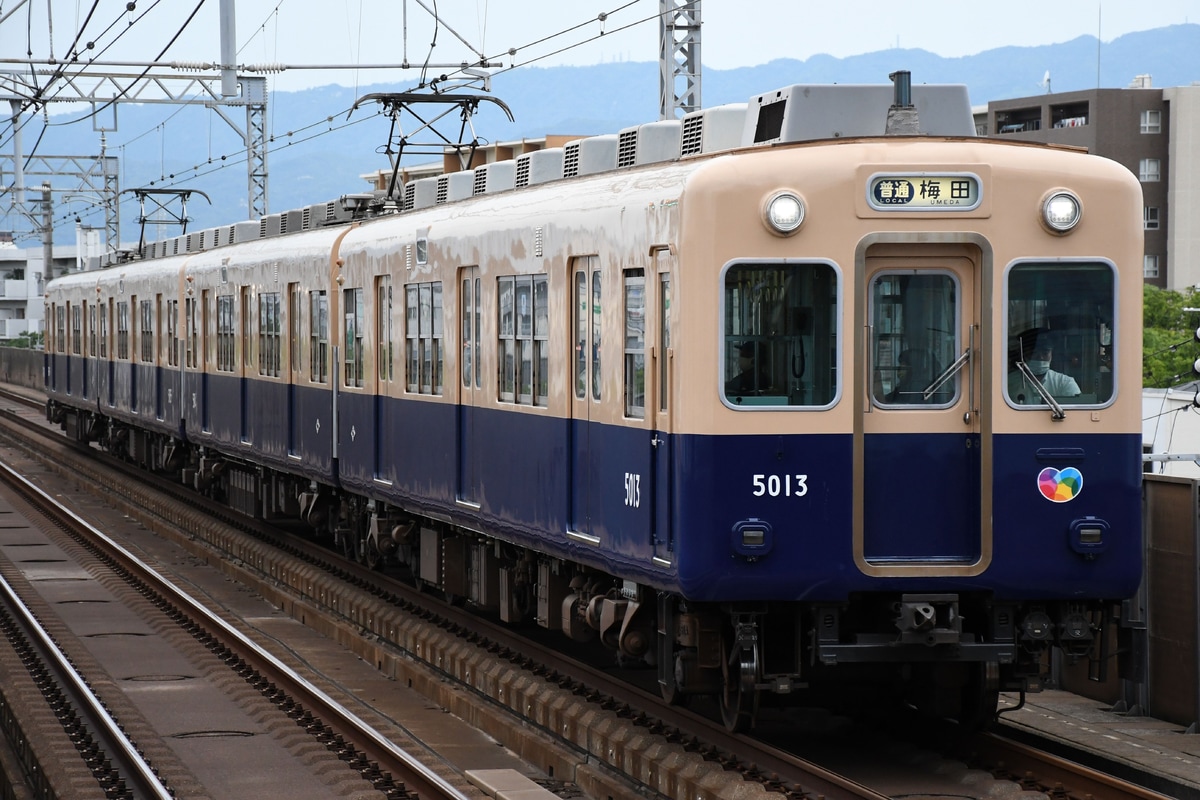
923	192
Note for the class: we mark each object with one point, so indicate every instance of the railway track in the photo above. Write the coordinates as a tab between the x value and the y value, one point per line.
115	758
563	714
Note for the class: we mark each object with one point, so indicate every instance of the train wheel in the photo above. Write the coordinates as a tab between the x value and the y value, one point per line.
668	657
372	558
739	692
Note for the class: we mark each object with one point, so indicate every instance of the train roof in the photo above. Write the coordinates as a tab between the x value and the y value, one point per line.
793	113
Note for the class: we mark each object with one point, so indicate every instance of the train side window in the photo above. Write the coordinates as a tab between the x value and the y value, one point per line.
268	334
664	320
596	317
146	329
384	319
104	314
779	334
581	336
206	330
123	330
635	343
506	291
247	333
524	320
423	337
76	332
318	326
1059	331
524	328
469	317
541	340
92	330
173	333
191	339
352	308
295	364
225	333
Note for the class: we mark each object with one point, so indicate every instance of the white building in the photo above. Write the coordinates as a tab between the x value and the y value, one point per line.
1171	430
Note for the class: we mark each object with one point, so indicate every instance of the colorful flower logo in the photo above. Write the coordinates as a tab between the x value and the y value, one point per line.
1060	487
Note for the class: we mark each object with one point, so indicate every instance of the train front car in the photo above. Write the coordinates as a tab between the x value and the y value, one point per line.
907	444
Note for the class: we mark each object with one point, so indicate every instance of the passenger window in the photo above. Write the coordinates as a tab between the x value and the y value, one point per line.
524	334
635	343
353	312
1060	334
318	327
423	337
779	335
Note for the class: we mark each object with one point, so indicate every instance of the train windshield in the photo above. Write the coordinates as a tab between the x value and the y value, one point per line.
1059	334
779	334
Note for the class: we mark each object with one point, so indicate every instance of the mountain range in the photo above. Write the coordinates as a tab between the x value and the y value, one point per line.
318	149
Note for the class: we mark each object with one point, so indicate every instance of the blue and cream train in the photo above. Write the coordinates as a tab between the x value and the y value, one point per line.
750	396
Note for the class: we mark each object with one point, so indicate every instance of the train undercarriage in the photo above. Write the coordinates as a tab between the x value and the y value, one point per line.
949	655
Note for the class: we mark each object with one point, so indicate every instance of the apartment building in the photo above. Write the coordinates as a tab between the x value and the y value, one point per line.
1154	133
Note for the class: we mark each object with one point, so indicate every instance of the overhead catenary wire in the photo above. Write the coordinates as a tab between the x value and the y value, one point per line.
237	157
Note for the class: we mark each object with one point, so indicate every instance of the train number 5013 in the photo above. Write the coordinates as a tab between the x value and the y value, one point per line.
780	485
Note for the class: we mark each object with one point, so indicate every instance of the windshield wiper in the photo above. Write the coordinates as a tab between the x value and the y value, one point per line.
946	375
1056	411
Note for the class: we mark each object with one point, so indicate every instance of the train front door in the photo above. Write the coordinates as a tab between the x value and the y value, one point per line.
922	445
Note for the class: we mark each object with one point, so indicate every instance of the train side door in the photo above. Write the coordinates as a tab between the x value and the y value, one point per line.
921	447
659	379
385	386
470	386
586	383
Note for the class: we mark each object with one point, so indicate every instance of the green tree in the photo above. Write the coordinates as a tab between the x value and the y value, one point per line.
1168	336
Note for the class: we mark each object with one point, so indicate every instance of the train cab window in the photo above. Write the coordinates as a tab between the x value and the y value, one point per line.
779	335
354	312
318	326
122	330
914	323
1060	334
423	337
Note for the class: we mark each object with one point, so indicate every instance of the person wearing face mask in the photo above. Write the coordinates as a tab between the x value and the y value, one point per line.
1038	353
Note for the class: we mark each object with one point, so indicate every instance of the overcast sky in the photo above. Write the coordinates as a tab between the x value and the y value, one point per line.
735	33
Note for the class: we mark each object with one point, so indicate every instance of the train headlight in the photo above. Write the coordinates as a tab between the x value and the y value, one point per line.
1061	211
784	213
